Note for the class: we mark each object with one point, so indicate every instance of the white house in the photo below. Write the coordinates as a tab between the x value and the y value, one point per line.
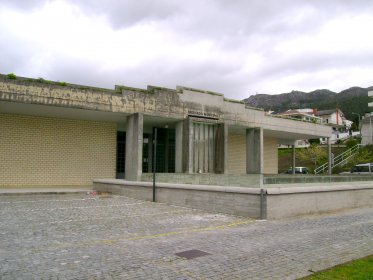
340	125
334	118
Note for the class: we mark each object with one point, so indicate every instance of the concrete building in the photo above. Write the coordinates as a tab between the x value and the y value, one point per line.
367	126
367	130
61	134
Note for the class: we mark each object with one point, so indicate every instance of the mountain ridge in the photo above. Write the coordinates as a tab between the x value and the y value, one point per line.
352	100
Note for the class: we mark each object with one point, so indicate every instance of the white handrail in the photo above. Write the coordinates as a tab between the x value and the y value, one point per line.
339	160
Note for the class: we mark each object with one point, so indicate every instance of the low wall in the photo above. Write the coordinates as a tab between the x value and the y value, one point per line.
278	202
238	180
230	200
293	201
310	178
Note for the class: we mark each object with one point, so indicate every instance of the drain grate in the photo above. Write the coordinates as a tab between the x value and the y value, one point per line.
191	254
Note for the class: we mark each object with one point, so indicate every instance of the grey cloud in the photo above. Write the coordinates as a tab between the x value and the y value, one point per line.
22	4
216	18
207	75
313	62
126	13
13	53
236	28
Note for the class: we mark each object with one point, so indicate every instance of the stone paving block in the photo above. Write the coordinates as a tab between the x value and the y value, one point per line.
77	236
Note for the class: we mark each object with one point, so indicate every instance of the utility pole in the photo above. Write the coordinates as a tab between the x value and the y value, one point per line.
359	116
154	159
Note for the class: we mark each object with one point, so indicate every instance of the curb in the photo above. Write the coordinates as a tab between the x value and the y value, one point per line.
35	192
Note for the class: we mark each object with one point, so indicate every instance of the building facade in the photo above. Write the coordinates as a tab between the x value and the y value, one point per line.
366	125
61	134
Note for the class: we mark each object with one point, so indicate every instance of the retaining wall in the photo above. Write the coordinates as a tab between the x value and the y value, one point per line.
230	200
278	202
237	180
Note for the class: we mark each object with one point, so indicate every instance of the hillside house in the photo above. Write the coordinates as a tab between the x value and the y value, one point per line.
341	127
334	118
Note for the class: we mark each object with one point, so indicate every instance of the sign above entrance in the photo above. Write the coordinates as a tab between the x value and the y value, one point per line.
201	114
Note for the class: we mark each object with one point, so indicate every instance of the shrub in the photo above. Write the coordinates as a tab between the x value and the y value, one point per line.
11	76
351	143
363	156
314	153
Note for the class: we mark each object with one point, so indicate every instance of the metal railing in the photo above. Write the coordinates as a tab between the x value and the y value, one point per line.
339	160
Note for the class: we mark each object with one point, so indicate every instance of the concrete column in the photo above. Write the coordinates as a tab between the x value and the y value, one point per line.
187	150
221	149
254	151
329	157
179	147
293	161
134	145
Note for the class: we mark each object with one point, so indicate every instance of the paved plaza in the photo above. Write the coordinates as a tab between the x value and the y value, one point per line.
80	236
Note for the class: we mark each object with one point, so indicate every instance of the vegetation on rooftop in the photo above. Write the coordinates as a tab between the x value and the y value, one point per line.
41	80
11	76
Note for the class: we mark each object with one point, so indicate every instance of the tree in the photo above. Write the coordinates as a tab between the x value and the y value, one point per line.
363	156
314	153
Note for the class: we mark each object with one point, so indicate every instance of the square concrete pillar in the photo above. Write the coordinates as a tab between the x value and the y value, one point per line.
221	149
254	151
187	144
179	147
134	146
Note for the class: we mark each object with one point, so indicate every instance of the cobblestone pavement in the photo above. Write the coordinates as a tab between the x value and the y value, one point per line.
76	236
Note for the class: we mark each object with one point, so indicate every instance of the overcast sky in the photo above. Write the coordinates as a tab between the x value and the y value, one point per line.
235	47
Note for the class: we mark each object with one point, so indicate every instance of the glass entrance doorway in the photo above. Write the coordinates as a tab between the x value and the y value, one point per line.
165	160
204	138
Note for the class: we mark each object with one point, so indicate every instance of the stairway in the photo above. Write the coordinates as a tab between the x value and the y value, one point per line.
339	160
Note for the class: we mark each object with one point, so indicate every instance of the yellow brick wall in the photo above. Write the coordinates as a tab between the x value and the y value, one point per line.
270	155
236	154
39	151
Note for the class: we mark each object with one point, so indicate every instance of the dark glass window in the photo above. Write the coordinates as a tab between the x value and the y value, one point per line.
165	159
121	152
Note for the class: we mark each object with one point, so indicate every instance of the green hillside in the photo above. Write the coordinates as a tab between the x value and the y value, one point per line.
352	100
